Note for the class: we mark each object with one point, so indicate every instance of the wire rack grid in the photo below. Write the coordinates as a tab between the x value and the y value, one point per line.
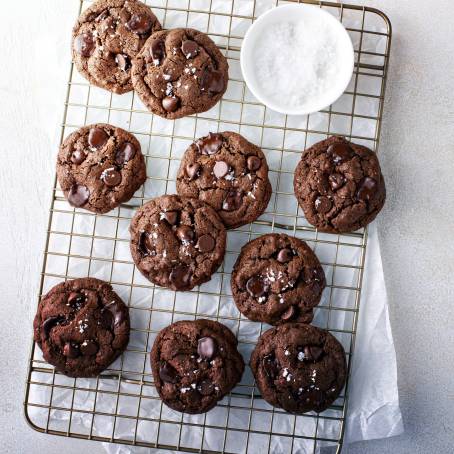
122	405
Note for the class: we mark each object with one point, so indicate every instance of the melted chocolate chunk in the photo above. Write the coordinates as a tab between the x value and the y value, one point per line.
112	315
189	48
193	170
232	201
206	348
284	255
220	169
125	153
211	144
168	374
271	366
367	189
256	286
253	163
84	44
212	81
111	177
123	62
71	350
180	276
206	243
185	233
313	353
78	195
340	152
157	51
146	245
78	157
89	348
49	323
170	103
322	204
97	137
289	313
336	181
139	23
171	217
76	300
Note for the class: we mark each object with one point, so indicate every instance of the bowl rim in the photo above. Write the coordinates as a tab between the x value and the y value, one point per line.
314	106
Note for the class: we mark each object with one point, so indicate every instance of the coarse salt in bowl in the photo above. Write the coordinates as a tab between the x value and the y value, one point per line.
297	59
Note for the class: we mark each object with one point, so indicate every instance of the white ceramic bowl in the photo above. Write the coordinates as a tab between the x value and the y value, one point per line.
319	20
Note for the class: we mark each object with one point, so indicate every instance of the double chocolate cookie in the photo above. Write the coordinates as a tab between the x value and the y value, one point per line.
299	367
179	72
81	326
339	185
229	173
177	242
99	167
107	36
277	279
195	364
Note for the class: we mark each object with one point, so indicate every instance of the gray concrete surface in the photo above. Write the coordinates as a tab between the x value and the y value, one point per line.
416	227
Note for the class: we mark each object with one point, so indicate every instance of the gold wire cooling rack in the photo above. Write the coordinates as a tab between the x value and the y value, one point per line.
122	405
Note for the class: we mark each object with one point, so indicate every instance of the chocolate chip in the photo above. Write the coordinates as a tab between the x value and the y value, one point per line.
206	348
367	189
210	144
206	387
157	51
84	44
322	204
168	374
185	233
49	323
78	195
139	23
89	348
170	216
111	177
220	169
97	137
170	103
256	286
270	366
125	153
289	313
253	163
189	48
312	352
122	61
180	276
192	170
232	201
146	245
112	315
284	255
71	350
336	181
340	152
78	157
212	81
76	300
206	243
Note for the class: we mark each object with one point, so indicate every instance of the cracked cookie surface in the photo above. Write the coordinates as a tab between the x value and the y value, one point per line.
107	36
179	72
195	364
228	172
277	279
177	242
81	326
299	367
339	185
100	167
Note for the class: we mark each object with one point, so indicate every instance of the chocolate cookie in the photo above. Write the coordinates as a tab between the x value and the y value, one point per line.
81	326
277	279
195	364
99	167
299	367
179	72
106	37
229	173
339	185
177	242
